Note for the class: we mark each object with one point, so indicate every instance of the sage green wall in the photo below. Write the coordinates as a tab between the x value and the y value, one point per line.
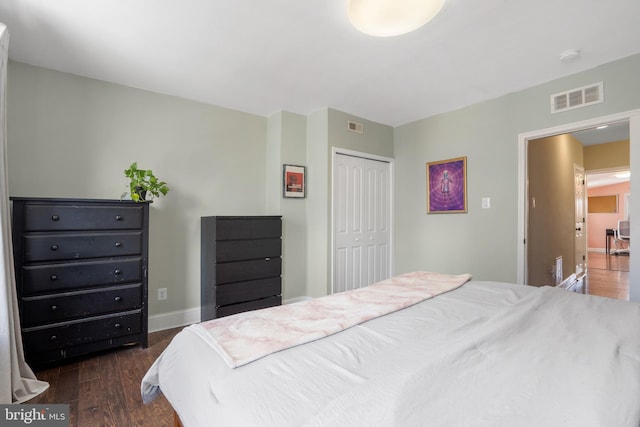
286	142
327	129
484	241
274	149
376	138
317	202
70	136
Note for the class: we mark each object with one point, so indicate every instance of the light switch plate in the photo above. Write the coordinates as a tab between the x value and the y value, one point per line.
486	202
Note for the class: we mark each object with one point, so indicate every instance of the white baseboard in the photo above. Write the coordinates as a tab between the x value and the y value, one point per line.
297	299
176	319
568	282
603	250
173	319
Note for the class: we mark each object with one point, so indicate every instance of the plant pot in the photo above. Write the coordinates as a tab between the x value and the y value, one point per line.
141	192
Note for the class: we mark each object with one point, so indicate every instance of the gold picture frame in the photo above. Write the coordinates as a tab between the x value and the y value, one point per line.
447	186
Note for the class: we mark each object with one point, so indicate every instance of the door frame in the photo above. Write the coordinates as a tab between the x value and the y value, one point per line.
335	151
633	116
584	230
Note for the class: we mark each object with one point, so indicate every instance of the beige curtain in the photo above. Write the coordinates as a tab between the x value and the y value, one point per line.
17	381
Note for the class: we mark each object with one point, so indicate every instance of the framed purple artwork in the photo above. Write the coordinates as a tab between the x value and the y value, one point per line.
447	186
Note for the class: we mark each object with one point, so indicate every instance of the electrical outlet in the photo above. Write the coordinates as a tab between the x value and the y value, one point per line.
162	294
486	202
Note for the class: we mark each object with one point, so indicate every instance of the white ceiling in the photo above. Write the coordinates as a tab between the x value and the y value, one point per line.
601	179
602	135
302	55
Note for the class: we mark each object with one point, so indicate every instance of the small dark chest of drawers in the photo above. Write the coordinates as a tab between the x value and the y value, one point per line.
241	264
81	275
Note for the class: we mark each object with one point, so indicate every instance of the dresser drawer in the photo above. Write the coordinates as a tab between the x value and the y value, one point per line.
247	306
43	279
81	217
233	293
84	331
237	250
53	247
72	305
248	270
247	228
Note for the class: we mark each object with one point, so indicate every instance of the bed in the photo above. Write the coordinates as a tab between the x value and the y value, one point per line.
478	354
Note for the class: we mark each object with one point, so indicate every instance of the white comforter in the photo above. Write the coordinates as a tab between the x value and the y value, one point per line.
486	354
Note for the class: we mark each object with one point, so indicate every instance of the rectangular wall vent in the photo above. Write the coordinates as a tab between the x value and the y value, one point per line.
577	98
355	127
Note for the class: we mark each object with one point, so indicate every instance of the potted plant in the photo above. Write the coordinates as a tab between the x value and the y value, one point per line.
143	184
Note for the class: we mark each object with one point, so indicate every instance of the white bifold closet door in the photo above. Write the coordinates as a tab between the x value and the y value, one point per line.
362	210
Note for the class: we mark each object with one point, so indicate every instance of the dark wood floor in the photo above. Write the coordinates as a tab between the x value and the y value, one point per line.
608	275
105	390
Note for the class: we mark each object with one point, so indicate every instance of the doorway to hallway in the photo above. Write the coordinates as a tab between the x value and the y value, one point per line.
525	201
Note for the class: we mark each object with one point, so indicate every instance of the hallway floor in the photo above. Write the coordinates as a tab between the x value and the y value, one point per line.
608	275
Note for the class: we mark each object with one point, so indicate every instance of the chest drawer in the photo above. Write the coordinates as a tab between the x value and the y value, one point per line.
59	335
237	250
237	292
73	305
79	217
53	247
42	279
248	270
228	310
247	228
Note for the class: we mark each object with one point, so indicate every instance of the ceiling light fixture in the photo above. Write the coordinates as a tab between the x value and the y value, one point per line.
570	55
386	18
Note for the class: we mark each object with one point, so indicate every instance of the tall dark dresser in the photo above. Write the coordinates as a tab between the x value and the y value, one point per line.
241	264
81	275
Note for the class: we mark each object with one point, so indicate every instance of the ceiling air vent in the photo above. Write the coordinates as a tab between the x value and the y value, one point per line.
576	98
355	127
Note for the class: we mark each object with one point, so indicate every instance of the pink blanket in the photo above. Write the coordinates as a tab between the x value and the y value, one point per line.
245	337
